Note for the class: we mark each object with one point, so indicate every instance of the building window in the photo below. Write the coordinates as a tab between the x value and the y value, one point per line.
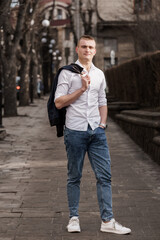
50	14
141	6
59	13
110	44
67	33
107	63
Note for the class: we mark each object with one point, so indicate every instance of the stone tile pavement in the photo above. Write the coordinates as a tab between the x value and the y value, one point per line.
33	204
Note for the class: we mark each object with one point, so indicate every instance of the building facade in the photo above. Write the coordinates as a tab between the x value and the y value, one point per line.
117	21
56	12
113	25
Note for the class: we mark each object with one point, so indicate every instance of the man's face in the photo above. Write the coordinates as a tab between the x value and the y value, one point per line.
86	49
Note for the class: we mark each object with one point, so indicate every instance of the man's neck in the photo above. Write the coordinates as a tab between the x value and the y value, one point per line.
86	65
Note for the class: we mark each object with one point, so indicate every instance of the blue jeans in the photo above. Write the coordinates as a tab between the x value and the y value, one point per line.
93	142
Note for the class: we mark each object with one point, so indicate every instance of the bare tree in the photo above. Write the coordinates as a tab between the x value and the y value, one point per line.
72	23
28	56
86	9
17	51
11	37
146	31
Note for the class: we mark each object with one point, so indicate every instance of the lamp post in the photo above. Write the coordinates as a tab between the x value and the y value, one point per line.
45	23
59	58
56	59
51	52
45	55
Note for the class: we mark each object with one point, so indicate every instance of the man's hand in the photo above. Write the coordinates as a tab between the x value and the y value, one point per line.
66	100
85	81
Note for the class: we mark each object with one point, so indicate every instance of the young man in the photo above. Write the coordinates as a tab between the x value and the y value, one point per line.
85	99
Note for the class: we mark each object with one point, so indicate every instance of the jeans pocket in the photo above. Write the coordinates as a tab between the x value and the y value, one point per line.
100	130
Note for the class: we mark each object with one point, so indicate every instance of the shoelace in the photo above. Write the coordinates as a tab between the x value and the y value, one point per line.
74	221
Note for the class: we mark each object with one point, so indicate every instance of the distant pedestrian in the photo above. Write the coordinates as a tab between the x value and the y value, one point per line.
39	86
85	101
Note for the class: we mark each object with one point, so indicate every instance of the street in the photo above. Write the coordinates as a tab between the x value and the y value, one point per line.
33	202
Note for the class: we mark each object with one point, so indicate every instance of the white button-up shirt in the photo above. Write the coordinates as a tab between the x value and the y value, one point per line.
85	110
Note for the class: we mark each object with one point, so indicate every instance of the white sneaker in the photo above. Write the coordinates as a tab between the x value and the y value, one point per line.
73	225
114	227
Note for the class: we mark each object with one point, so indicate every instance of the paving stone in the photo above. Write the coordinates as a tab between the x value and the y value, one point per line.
35	238
33	201
4	238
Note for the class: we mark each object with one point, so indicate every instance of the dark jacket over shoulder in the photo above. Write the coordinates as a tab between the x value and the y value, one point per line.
57	116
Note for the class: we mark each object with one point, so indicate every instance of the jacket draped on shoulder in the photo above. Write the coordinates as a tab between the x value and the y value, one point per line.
57	116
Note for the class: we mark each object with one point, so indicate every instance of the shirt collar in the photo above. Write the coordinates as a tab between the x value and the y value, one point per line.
92	65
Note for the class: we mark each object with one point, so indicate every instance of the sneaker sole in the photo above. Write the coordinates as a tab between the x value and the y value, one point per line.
78	230
117	232
73	231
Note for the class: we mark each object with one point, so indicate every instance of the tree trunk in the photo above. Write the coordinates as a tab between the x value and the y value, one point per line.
0	94
45	69
26	73
35	73
10	100
24	82
9	61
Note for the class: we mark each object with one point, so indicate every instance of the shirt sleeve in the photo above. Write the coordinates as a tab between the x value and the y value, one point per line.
63	84
102	92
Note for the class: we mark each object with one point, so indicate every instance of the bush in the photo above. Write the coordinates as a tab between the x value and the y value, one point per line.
137	80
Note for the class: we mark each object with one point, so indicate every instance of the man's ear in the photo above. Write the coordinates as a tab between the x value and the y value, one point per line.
95	52
77	49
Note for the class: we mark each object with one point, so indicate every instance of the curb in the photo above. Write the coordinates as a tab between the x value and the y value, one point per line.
2	133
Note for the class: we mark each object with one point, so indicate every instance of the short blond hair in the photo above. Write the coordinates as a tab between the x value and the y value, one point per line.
86	37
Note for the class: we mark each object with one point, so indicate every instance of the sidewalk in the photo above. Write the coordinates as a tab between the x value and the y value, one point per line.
33	203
